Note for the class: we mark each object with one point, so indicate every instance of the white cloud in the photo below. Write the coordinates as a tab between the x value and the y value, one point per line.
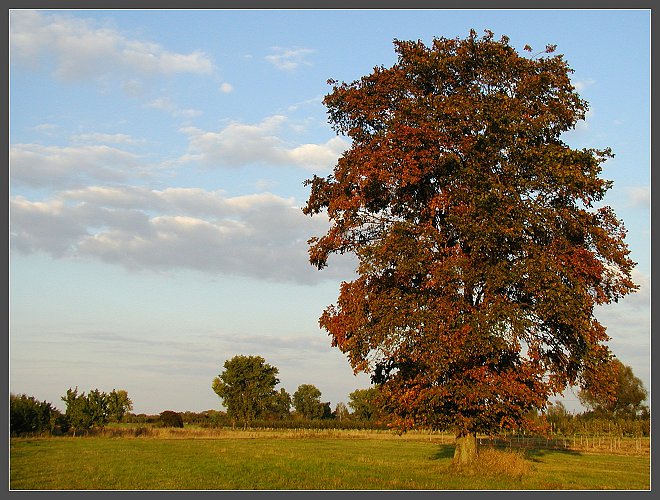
37	226
97	137
266	184
639	196
239	144
318	155
79	49
262	235
580	85
288	59
38	166
46	128
628	323
167	105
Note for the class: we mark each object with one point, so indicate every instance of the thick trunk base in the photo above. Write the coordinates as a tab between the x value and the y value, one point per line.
466	449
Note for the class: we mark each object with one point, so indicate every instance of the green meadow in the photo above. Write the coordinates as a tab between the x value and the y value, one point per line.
286	460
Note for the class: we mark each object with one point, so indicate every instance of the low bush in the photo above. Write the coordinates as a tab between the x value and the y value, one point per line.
170	418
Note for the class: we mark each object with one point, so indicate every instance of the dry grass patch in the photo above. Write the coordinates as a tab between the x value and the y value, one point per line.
498	462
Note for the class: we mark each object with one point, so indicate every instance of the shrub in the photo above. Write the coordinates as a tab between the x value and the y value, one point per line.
170	418
30	416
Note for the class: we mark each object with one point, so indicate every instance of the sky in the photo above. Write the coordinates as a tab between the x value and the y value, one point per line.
157	161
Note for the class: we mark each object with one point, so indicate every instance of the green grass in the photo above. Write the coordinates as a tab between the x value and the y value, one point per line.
331	461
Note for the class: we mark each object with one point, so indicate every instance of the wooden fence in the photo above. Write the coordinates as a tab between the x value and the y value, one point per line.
602	443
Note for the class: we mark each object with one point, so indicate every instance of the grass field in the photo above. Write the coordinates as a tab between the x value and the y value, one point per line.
355	460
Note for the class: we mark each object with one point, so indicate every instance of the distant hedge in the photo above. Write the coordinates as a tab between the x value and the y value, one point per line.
307	424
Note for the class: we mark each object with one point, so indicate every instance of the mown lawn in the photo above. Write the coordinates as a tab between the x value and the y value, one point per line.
311	463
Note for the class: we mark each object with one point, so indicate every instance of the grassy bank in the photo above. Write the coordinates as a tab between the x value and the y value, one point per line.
304	461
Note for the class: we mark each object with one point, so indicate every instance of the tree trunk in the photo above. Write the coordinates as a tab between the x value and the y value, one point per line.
466	449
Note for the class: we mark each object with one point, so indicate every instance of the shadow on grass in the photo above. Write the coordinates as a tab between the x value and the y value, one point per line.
536	454
444	451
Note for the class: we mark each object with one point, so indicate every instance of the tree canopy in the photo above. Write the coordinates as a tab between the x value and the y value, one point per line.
118	404
364	403
84	411
481	250
629	394
307	401
247	387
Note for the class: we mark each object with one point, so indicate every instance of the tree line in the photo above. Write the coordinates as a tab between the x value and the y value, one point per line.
247	390
29	416
247	387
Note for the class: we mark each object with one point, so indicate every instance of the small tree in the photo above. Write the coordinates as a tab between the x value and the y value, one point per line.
307	402
78	414
246	387
282	402
118	404
97	404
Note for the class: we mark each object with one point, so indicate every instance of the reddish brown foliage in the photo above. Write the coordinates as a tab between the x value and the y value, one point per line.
481	256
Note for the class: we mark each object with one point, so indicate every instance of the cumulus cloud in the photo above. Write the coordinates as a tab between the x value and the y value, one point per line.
79	49
35	165
261	235
241	144
288	59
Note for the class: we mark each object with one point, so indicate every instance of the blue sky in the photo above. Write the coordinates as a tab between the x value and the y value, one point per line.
157	160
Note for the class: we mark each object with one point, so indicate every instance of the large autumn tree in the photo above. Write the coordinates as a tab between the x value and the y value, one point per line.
480	252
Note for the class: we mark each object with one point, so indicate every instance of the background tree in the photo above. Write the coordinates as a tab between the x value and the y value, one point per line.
557	415
629	394
98	408
27	415
480	253
307	401
282	404
326	411
79	415
341	412
118	404
246	387
364	403
95	409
